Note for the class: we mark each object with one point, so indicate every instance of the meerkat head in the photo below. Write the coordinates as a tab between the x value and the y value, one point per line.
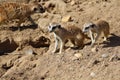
37	8
88	26
53	27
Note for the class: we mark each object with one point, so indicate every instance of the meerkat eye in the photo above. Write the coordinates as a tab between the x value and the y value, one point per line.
92	26
41	8
86	28
59	26
35	9
53	27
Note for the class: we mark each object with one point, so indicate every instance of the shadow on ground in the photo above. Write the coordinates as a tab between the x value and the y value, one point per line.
114	41
7	47
23	27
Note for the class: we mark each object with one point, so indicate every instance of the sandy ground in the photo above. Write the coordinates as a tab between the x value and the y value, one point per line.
34	60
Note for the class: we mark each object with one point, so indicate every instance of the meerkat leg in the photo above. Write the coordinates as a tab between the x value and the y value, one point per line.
96	38
62	42
92	38
79	43
56	43
106	33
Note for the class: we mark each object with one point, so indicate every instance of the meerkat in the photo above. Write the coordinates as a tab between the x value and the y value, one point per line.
62	34
21	11
97	28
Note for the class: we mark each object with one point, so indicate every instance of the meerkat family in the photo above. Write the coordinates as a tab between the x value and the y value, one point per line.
97	28
21	11
62	34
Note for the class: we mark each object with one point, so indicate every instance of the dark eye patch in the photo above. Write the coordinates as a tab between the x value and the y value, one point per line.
53	27
92	26
87	27
35	9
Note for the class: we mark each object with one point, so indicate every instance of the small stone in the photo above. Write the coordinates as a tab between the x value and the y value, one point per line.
114	57
94	49
66	18
72	2
74	58
104	55
29	51
96	62
92	74
78	55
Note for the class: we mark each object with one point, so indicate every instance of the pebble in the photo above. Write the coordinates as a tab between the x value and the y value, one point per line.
104	55
66	18
78	55
72	2
94	49
29	51
92	74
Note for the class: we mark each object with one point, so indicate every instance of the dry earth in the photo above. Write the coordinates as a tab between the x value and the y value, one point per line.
27	54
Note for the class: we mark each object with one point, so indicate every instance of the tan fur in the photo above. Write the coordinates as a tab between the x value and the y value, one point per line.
21	11
99	27
70	32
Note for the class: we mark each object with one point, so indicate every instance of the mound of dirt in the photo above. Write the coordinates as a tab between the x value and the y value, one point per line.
27	54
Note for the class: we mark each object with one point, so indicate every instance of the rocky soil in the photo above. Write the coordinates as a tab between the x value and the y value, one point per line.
27	54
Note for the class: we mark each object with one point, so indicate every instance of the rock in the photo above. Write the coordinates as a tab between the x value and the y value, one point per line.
7	45
74	58
10	63
43	24
92	74
66	18
78	55
72	2
114	58
29	51
55	6
40	41
20	1
95	62
94	49
48	18
104	55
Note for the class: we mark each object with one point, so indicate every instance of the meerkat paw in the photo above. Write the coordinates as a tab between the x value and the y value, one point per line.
59	53
92	44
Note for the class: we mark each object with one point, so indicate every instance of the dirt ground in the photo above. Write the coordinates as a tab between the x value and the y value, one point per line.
27	54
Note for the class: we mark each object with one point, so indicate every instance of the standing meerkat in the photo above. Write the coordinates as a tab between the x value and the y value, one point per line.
62	34
97	28
21	11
